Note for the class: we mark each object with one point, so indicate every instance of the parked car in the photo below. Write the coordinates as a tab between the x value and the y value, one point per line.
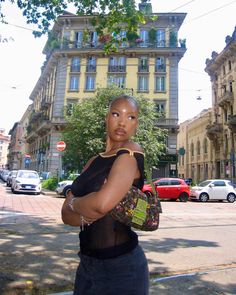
26	181
64	186
169	188
4	175
11	175
189	181
213	189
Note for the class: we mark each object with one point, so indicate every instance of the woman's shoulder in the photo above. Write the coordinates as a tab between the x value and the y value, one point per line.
89	163
131	147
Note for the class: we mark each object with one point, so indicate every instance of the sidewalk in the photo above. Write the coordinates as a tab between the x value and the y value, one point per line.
38	254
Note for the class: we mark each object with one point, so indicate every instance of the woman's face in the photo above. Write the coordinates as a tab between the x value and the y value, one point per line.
122	120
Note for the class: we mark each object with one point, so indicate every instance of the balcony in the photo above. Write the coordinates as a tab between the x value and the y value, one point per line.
143	69
214	131
226	99
117	69
232	123
168	123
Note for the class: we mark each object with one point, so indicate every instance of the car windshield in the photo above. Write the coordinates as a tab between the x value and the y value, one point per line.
204	183
28	175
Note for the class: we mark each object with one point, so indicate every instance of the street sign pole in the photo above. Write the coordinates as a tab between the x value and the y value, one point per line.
61	146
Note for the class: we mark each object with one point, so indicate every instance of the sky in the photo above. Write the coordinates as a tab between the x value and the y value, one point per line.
205	28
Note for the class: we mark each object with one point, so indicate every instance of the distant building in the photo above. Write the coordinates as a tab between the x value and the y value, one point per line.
209	139
4	143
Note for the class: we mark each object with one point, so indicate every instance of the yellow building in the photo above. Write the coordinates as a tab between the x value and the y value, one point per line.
209	138
76	66
4	144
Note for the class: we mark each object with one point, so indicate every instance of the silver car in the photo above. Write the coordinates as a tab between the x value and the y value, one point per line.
27	181
213	189
11	176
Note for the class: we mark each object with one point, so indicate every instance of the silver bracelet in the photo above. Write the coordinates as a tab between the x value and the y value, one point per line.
71	204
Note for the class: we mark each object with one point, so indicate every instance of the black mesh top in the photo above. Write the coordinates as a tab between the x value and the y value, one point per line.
105	238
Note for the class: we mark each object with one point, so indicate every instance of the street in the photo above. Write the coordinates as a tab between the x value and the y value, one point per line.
195	243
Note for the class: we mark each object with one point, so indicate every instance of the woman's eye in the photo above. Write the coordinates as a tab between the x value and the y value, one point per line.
131	117
115	114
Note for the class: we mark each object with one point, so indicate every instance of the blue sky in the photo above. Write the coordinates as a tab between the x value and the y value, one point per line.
204	28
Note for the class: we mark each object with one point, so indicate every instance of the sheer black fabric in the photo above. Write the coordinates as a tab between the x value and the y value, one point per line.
105	238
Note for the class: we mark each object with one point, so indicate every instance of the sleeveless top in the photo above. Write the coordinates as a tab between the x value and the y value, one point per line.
105	238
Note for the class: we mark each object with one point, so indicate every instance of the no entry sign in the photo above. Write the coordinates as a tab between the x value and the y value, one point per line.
61	145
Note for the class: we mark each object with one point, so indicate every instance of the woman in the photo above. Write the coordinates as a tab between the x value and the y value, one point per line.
111	261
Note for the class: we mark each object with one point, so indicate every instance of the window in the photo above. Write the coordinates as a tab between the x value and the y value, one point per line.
160	106
219	183
144	37
117	64
192	150
79	39
160	38
160	83
70	105
175	182
160	64
90	83
142	83
198	148
143	64
118	80
205	146
162	183
223	68
75	64
91	64
74	83
230	66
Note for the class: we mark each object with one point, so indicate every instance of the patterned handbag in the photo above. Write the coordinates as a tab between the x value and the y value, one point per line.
138	210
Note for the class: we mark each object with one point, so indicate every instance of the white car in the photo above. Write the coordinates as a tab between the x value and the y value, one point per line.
63	187
213	189
26	181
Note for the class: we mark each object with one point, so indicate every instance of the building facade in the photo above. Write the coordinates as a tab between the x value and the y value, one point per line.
209	138
4	144
76	65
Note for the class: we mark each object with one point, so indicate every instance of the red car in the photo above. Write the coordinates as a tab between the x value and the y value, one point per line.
169	188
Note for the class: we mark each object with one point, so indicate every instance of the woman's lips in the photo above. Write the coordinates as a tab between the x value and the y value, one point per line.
120	131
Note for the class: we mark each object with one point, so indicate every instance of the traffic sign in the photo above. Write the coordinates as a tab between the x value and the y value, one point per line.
61	145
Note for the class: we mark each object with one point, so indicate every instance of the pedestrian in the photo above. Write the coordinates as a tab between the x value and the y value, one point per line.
111	259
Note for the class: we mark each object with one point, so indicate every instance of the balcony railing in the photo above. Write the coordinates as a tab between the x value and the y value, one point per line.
214	131
167	123
226	99
116	69
143	69
91	68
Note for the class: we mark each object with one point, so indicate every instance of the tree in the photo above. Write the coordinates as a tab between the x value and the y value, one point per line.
109	16
85	133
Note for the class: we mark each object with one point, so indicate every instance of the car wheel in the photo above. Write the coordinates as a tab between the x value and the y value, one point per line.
231	198
204	197
183	197
66	190
13	191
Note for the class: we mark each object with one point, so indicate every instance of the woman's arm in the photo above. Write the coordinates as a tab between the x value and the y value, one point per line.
119	181
69	216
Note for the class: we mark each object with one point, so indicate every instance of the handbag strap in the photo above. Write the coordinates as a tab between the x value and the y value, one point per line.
149	180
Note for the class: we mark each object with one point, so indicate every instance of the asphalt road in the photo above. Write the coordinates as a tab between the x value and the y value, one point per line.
193	252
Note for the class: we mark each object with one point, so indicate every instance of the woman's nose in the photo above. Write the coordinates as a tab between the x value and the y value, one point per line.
121	121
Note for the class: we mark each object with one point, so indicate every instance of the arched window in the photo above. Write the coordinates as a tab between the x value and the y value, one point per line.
198	148
192	150
205	146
